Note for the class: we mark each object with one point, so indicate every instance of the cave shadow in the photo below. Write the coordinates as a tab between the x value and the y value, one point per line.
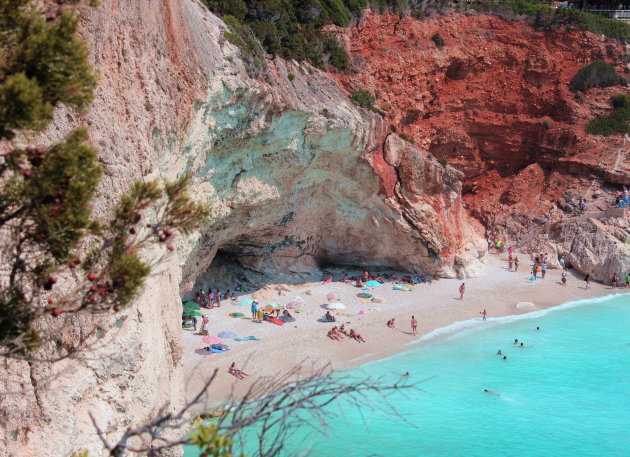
227	273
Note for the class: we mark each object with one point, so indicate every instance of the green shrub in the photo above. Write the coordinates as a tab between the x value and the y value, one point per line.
291	29
595	74
547	124
443	162
290	76
407	138
438	40
363	98
615	122
546	17
393	128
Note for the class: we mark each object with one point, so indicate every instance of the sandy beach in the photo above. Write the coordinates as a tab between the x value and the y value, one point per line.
500	292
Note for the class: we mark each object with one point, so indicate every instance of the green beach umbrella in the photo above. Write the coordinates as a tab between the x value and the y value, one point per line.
191	305
192	313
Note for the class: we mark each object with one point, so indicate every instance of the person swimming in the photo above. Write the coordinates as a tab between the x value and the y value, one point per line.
515	341
491	392
499	352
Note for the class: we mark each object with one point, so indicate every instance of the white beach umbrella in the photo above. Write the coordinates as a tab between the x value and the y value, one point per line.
336	305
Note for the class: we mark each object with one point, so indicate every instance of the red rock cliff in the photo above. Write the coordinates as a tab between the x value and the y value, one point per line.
495	102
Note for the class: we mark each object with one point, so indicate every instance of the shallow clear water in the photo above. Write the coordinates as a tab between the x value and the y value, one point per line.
568	395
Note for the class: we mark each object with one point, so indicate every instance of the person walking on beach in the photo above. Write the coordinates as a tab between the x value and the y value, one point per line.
516	263
414	326
462	289
587	280
543	270
483	315
564	277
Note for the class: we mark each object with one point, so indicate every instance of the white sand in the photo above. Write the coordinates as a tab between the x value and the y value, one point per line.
500	292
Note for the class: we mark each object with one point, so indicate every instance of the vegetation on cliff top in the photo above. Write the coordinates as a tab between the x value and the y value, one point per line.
546	17
596	74
293	29
615	122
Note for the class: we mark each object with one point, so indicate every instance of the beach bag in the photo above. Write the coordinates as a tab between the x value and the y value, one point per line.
533	278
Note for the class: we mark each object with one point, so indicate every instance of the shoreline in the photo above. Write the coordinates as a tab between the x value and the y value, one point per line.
436	306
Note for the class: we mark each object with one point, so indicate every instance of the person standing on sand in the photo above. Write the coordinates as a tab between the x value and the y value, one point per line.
516	264
628	281
254	310
564	277
483	315
414	326
462	289
587	280
510	262
615	281
543	270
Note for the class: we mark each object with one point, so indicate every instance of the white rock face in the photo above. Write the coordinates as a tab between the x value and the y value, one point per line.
296	174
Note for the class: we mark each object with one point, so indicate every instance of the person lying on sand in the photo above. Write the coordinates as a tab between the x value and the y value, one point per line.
330	317
239	374
333	335
491	392
342	330
356	336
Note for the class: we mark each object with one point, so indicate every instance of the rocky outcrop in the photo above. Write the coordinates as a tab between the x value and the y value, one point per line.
598	244
296	174
494	102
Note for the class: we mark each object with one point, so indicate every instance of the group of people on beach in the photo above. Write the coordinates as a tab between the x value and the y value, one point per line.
337	333
360	280
212	299
414	325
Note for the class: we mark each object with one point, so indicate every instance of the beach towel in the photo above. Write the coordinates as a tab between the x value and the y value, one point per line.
236	314
373	283
364	300
364	295
397	287
248	338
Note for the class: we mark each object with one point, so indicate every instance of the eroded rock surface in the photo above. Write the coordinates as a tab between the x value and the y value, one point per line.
495	103
297	176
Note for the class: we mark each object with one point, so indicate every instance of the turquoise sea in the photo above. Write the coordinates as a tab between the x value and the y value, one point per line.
567	394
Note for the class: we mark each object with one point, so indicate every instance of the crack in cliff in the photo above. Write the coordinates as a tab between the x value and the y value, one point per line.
34	384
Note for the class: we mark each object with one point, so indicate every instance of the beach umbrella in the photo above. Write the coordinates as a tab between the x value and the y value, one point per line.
373	283
332	296
227	335
244	302
192	313
211	340
335	306
191	305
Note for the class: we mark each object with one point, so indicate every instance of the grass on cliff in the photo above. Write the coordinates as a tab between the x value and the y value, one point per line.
615	122
546	17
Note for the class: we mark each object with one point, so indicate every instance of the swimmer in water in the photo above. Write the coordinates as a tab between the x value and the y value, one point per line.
515	341
491	392
537	328
499	352
505	357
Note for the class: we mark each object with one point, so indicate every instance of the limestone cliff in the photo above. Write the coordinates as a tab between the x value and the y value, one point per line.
297	175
